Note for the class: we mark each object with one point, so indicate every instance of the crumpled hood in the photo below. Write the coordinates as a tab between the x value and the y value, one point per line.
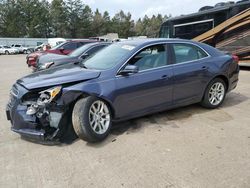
57	76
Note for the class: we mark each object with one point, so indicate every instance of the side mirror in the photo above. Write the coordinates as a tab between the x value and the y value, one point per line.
129	69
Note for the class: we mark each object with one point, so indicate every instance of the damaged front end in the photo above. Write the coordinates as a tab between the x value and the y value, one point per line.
39	115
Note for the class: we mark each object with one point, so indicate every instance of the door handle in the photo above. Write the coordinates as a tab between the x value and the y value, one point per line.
164	77
205	68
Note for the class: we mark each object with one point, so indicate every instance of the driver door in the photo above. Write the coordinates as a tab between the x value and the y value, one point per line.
149	89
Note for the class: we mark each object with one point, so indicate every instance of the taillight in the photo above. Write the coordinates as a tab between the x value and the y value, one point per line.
235	58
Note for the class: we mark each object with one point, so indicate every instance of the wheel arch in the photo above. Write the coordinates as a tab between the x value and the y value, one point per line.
77	95
224	78
221	76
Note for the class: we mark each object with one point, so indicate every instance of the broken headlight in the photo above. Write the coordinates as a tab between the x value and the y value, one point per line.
45	97
48	95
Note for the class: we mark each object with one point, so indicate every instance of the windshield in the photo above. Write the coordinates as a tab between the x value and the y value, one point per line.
6	47
80	51
108	57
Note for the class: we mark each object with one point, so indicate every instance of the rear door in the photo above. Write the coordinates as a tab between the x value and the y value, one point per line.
190	71
150	88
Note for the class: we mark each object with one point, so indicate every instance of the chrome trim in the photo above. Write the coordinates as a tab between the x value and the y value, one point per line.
190	23
177	42
165	66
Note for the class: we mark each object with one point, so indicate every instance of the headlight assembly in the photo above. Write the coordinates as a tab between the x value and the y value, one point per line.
45	97
48	95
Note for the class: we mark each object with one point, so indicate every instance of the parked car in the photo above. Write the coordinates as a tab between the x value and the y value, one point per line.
51	60
63	49
55	41
8	50
123	81
21	48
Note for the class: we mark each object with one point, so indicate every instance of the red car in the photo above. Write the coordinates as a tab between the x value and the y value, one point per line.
63	48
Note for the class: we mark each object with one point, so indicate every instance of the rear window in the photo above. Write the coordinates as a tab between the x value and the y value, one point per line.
188	52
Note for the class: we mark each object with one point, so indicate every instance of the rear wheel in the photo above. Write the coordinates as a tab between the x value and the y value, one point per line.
91	119
214	94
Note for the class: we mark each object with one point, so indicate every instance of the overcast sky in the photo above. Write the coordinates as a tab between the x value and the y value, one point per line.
138	8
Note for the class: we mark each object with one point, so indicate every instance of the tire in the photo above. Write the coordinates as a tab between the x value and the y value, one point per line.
25	52
7	52
215	94
91	122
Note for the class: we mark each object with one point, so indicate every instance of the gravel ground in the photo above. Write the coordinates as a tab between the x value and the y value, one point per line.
186	147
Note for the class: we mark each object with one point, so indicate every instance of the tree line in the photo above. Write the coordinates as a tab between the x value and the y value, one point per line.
70	19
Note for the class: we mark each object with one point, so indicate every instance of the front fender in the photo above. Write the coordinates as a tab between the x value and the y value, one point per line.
101	89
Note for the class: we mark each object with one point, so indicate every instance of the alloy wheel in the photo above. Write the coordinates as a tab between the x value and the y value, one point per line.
216	93
99	117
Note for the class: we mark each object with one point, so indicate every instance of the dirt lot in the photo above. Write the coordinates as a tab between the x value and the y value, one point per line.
187	147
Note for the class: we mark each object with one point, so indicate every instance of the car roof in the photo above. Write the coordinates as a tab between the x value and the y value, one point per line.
205	12
149	41
81	40
98	43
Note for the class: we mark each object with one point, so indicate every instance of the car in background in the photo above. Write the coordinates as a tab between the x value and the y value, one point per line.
49	60
21	48
123	81
55	41
63	49
8	50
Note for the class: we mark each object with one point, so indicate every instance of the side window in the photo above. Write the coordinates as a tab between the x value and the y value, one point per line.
82	43
70	46
187	52
94	50
79	44
150	57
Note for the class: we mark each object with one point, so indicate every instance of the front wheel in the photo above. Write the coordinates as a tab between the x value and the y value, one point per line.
7	52
215	94
91	119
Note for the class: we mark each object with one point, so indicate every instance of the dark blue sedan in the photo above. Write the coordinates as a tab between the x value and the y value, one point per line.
123	81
